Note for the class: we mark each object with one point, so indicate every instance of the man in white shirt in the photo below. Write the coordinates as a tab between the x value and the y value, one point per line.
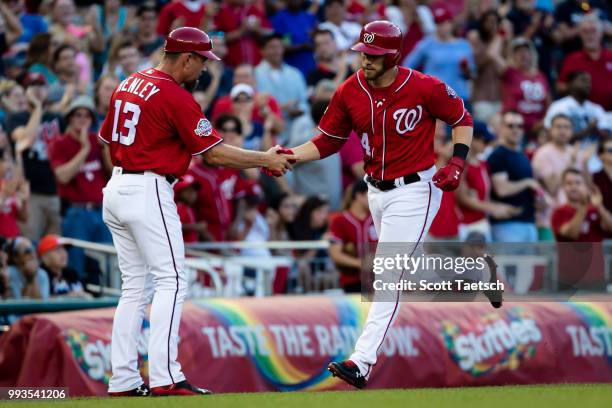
346	33
589	120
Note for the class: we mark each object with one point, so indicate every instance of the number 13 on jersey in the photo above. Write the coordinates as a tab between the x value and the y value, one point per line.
130	120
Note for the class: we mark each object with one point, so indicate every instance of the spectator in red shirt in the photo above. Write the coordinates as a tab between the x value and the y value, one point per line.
78	166
524	88
603	178
184	13
445	227
594	59
582	219
265	104
186	195
351	234
242	23
14	192
474	193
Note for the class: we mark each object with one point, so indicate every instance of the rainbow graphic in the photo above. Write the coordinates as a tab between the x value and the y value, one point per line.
276	369
592	315
510	359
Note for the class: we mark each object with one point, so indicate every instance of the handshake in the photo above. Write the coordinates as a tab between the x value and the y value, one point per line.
279	161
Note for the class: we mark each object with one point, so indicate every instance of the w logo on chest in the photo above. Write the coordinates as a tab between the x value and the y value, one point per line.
407	119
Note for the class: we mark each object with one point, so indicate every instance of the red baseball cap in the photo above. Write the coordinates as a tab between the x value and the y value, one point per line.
186	181
34	78
441	15
49	243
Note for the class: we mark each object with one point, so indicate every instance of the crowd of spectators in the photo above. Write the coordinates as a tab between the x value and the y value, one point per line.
534	73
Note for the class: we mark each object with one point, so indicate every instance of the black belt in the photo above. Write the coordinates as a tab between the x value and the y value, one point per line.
86	206
169	177
386	185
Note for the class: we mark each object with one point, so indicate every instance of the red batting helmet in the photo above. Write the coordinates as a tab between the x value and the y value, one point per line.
381	38
189	39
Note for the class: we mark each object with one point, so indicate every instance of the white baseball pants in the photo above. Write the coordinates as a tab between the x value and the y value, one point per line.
403	214
142	217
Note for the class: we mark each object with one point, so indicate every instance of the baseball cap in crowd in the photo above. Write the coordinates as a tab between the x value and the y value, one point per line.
81	101
49	243
482	131
34	78
14	59
441	15
242	89
186	181
520	42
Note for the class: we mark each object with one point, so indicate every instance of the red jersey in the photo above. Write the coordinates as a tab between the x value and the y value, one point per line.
154	124
446	223
395	124
175	10
86	186
600	70
477	180
355	235
8	217
187	216
211	206
244	50
526	94
224	106
590	230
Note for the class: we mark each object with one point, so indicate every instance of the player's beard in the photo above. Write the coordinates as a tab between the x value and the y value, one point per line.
373	75
191	85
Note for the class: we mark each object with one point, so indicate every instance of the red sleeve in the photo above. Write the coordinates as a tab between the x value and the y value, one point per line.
193	128
274	107
165	20
57	155
224	22
559	217
336	121
336	230
566	68
105	130
445	104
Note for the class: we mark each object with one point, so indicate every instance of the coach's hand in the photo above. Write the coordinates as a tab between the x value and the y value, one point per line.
280	160
449	176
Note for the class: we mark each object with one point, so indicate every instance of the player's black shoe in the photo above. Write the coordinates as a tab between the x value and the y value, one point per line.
494	296
179	388
349	372
140	391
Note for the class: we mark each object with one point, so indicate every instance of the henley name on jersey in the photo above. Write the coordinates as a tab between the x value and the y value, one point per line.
139	87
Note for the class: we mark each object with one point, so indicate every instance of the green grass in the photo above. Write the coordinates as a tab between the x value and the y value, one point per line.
540	396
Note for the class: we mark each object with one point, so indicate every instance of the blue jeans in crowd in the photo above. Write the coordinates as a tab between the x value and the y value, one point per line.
86	224
514	231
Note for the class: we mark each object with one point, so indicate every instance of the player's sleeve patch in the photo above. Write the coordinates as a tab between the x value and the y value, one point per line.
451	92
204	128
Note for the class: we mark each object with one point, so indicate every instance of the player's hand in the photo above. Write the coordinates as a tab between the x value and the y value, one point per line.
449	176
281	160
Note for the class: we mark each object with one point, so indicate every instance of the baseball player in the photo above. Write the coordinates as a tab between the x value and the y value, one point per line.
153	127
394	111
